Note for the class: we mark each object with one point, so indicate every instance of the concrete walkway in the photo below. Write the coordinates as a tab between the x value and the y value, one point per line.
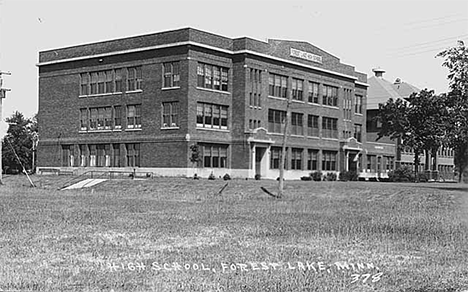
89	182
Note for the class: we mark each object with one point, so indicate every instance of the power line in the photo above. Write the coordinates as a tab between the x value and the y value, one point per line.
425	44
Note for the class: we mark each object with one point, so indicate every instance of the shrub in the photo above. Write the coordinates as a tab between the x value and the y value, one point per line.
195	176
331	176
212	177
306	178
316	175
227	176
257	176
349	175
401	174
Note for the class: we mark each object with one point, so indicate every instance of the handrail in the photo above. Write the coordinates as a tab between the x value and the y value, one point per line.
101	173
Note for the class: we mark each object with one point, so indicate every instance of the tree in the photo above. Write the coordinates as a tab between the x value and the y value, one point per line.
456	102
417	122
19	138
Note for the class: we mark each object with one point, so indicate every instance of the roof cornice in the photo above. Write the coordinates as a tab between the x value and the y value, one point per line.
192	43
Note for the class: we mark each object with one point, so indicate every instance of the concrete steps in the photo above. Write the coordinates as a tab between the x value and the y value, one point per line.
89	182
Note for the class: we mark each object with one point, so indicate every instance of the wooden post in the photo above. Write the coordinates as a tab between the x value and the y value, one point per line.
2	96
283	150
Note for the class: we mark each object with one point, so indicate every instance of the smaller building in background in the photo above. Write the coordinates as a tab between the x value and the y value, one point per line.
383	155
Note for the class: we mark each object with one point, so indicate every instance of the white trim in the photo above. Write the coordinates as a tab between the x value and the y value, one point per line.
212	129
331	106
170	88
170	128
203	46
361	83
213	90
134	91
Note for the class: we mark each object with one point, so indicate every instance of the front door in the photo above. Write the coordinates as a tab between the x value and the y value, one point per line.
352	162
259	153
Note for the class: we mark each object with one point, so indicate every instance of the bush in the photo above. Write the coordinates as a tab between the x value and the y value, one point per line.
306	178
423	177
401	174
316	175
195	176
257	176
349	175
331	176
212	177
227	177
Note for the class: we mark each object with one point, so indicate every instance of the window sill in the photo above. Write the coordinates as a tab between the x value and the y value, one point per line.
214	90
276	97
359	114
313	103
297	136
212	129
133	129
170	88
313	137
134	91
98	94
98	131
331	139
298	101
170	128
331	106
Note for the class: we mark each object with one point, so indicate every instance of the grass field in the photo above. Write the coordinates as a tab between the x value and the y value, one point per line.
176	234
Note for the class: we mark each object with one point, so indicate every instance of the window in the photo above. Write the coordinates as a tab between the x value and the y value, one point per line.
116	155
358	132
278	85
117	117
104	118
94	82
313	92
93	117
133	154
330	95
296	158
347	103
170	114
83	119
134	116
389	162
92	154
312	160
84	84
313	126
329	128
109	81
276	120
297	90
118	80
329	160
215	155
212	77
101	82
212	116
134	78
297	124
171	74
68	156
358	104
275	155
103	155
371	163
83	155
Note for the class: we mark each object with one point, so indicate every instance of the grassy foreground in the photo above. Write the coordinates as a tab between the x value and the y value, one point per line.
177	235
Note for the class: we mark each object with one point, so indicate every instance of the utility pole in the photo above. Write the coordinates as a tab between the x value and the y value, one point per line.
283	148
3	92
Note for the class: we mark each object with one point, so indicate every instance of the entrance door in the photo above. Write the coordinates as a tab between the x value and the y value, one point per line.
259	153
352	164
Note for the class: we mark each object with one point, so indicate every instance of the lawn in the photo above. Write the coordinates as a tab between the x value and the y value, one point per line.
175	234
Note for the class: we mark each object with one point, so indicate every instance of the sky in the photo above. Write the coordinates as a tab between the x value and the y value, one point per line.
401	37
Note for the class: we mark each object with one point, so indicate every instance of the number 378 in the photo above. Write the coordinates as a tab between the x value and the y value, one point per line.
366	277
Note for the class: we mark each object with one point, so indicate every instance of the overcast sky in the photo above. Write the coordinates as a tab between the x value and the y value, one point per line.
402	37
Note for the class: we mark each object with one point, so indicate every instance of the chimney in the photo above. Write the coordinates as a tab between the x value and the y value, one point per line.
378	72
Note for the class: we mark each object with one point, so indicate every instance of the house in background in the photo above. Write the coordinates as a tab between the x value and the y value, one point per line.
383	155
154	102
